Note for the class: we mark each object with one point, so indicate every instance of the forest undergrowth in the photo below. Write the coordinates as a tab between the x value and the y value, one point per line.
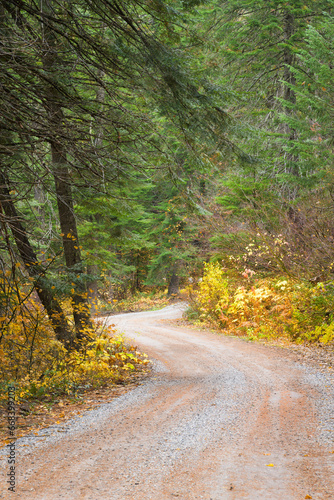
40	366
273	307
139	301
54	383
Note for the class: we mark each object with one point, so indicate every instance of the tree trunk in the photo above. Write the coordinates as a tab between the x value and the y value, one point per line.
93	270
63	181
81	310
289	94
174	284
34	269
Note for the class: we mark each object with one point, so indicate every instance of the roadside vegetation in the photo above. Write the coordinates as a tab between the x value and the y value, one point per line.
54	383
258	307
42	368
139	301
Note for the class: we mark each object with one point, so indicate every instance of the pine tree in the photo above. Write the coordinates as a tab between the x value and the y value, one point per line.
314	100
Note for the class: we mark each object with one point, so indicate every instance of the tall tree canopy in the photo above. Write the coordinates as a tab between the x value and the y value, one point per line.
83	88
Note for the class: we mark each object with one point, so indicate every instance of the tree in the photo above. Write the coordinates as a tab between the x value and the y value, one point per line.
314	99
64	61
258	51
36	271
255	51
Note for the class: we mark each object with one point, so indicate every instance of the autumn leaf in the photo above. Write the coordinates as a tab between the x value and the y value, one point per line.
270	465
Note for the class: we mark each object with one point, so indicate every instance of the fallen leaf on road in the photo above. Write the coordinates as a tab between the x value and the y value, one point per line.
270	465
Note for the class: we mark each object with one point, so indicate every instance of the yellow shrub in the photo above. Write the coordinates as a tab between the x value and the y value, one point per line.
269	307
39	365
212	295
322	333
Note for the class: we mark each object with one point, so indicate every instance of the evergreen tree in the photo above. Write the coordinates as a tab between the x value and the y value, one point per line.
313	110
63	64
258	49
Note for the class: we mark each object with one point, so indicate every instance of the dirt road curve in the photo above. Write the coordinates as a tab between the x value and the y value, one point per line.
220	419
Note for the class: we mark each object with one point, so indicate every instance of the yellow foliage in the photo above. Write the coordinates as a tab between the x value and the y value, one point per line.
322	333
268	307
39	365
212	293
139	302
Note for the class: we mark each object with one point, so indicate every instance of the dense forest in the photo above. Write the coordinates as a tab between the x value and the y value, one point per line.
148	147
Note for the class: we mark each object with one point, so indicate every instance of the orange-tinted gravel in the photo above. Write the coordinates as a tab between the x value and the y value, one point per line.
220	418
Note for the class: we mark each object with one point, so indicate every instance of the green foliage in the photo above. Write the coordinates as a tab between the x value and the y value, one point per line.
313	109
127	102
275	56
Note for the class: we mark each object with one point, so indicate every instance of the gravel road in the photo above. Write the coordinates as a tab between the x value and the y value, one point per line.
220	418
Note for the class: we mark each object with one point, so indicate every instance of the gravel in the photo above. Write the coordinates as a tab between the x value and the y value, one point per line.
219	418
